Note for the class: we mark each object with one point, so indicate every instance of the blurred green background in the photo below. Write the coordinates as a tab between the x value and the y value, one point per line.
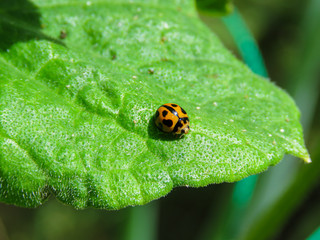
282	203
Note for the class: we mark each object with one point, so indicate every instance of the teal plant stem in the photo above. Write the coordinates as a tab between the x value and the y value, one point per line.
305	77
304	86
241	197
251	55
315	235
243	190
142	222
276	215
245	43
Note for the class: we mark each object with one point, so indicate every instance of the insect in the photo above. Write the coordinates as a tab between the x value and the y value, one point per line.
171	118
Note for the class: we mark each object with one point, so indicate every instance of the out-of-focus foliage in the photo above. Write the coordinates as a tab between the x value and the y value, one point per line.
214	7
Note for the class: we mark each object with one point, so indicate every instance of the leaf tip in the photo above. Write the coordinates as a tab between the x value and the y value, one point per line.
307	160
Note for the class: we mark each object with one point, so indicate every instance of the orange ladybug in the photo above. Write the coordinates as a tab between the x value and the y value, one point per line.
172	118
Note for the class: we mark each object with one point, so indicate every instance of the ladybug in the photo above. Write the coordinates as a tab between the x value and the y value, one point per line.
172	118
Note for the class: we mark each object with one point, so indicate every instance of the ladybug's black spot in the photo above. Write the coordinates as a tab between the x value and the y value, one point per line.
168	123
174	112
178	125
157	113
174	105
183	131
164	113
183	111
185	119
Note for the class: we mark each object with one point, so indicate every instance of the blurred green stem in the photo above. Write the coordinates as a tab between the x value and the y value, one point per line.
275	206
3	232
305	77
245	43
275	217
243	190
142	222
315	235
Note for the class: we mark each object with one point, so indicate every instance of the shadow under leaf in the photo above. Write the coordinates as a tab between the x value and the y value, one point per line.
20	22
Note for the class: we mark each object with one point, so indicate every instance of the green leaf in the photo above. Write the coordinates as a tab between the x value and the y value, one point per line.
79	91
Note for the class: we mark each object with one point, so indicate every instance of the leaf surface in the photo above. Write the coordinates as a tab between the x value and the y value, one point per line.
79	86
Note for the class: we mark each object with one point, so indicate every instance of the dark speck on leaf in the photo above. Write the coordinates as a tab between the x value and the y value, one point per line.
214	76
63	34
113	54
163	39
151	71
